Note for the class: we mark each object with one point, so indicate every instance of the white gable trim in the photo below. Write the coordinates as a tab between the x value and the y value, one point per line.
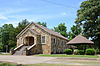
23	30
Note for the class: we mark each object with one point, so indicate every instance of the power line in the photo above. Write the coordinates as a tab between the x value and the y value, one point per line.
58	4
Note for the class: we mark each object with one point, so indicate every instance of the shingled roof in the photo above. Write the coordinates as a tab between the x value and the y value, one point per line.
50	31
80	40
45	29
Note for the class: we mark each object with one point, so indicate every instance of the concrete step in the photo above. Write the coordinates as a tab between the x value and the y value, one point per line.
21	51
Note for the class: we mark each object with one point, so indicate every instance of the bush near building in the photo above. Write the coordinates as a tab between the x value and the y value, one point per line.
90	52
68	51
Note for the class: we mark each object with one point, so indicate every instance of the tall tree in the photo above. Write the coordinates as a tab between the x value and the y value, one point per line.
62	29
8	37
89	17
75	30
70	35
1	46
42	23
22	25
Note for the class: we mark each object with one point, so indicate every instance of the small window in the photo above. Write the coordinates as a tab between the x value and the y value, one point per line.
62	42
54	40
43	40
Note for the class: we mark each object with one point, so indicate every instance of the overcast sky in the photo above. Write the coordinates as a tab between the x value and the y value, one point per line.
52	12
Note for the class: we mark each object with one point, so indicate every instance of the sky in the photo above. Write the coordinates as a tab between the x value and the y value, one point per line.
53	12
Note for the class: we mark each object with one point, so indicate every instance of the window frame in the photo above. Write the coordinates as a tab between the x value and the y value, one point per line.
42	39
54	39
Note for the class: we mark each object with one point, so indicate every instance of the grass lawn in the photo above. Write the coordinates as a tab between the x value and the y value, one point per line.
45	64
7	64
5	54
64	55
42	64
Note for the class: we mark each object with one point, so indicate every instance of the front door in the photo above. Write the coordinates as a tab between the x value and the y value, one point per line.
29	41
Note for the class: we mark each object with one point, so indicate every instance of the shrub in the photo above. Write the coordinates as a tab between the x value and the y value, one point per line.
97	51
90	51
80	52
68	51
76	52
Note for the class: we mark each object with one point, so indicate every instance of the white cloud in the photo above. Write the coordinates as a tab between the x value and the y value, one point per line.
3	17
15	23
14	10
64	14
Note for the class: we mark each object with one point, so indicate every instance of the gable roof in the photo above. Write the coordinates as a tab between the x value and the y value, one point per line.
31	30
80	40
34	31
50	31
45	29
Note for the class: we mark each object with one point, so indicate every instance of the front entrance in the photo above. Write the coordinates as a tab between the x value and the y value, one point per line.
29	41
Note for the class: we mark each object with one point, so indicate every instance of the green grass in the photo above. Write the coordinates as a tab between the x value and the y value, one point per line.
5	54
7	64
80	63
45	64
11	64
41	64
64	55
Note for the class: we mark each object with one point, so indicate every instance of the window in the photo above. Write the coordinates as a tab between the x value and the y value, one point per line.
62	42
53	40
43	40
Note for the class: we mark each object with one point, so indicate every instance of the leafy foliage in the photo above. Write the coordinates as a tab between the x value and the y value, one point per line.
89	17
81	52
97	51
75	30
90	51
62	29
22	25
43	24
68	51
8	35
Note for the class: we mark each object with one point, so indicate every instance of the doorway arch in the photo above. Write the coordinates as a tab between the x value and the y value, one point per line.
29	40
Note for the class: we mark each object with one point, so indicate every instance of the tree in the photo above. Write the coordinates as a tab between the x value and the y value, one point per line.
89	17
1	46
8	37
75	30
62	29
43	24
22	25
70	35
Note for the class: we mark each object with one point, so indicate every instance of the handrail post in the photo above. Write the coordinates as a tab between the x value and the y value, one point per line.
12	51
27	52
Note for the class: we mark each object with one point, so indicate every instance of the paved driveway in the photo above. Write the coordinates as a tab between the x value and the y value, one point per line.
25	59
50	60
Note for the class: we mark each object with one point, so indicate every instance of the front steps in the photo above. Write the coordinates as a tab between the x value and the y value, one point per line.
21	51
